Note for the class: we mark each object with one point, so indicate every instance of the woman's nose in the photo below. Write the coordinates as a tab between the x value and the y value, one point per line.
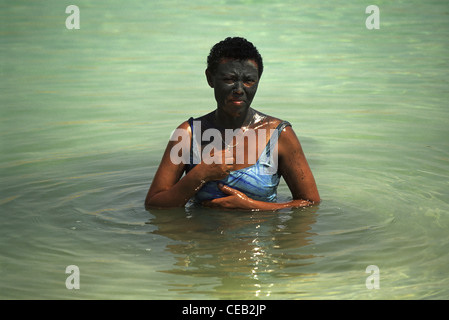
238	88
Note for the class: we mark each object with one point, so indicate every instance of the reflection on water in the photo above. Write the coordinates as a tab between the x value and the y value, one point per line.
247	252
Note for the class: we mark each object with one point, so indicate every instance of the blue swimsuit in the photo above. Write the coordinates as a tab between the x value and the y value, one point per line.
258	181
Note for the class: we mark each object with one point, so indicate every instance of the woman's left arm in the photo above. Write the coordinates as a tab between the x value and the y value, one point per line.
295	170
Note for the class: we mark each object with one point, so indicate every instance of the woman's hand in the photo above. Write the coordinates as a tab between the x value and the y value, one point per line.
234	200
239	201
217	167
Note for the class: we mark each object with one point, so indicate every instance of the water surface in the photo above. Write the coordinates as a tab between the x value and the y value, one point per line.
85	116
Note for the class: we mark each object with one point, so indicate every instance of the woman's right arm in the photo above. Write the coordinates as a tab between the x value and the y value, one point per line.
168	189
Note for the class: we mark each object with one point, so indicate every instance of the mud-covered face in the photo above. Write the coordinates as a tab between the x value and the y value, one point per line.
235	84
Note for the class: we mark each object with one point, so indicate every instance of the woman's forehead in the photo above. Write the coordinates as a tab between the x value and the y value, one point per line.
227	64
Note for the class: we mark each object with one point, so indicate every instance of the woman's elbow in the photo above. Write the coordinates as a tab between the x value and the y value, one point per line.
157	201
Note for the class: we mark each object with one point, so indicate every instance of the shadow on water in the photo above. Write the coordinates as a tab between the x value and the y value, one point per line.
235	254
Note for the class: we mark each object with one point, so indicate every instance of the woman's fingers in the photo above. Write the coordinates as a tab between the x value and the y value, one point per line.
234	199
227	189
219	202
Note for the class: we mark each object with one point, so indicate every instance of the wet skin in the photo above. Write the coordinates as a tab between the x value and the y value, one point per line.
235	84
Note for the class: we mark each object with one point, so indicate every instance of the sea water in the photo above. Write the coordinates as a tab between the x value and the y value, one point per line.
86	114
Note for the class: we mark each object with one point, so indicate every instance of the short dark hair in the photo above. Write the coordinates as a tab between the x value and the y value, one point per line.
233	48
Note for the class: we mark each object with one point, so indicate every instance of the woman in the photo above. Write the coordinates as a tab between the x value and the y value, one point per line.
222	173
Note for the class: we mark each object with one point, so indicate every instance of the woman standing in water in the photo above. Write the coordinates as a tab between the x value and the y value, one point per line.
222	173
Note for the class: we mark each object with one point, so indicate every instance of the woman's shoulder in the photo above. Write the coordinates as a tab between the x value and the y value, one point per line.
270	121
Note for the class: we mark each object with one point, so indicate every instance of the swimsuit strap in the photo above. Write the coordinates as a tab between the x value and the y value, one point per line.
194	152
281	126
274	138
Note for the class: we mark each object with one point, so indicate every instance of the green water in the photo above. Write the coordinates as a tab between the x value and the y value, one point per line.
86	114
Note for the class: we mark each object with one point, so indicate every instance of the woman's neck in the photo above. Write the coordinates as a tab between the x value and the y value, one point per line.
225	121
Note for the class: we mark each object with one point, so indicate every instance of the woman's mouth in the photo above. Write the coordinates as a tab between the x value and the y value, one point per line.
237	102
